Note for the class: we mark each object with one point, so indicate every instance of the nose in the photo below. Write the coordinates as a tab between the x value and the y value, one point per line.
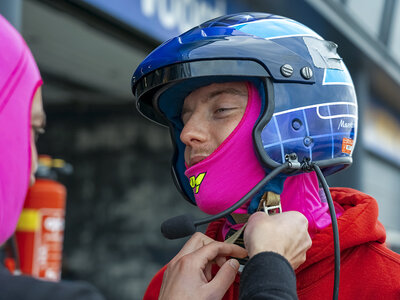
194	132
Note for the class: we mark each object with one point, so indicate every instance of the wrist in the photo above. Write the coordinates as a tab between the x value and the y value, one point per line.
253	252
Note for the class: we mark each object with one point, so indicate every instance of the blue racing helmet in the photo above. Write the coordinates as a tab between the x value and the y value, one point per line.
309	102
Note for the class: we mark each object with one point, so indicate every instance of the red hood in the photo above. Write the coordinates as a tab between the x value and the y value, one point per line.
358	225
369	271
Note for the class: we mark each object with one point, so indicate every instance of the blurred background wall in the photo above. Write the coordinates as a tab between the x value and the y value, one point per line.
121	188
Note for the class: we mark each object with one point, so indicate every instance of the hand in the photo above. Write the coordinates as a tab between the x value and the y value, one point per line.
285	234
188	275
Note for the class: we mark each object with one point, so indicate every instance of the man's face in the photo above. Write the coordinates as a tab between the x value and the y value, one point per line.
38	120
209	115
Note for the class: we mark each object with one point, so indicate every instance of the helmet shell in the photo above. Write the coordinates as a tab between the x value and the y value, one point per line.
309	101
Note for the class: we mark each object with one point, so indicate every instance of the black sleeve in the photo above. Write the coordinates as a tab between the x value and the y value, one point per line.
28	288
267	275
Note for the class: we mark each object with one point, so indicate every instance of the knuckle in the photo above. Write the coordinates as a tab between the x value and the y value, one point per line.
256	216
303	219
185	261
198	235
219	247
216	245
171	266
300	216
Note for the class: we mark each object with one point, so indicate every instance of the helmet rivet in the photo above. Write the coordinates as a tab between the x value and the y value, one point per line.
287	70
296	124
306	72
307	141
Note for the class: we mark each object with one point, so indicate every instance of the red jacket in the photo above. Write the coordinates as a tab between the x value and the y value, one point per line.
369	270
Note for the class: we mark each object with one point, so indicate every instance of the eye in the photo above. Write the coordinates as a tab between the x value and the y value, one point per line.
185	117
220	110
224	109
37	131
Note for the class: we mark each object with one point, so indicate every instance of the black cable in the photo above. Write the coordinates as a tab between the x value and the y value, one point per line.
246	197
322	180
184	225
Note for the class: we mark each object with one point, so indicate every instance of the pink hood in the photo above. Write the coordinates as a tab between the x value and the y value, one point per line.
19	80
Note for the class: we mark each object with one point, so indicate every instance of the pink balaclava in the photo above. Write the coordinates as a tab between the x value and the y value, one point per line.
233	169
302	193
19	80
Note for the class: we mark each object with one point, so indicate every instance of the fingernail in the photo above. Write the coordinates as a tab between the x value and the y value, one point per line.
234	264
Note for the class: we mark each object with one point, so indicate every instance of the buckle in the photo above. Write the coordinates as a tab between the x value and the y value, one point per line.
272	210
271	203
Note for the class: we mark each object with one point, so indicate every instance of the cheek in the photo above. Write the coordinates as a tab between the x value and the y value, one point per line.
186	154
225	128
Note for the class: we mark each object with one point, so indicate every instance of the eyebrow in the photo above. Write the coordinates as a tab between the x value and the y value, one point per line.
232	91
218	92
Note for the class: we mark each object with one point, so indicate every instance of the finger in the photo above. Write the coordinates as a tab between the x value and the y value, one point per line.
203	256
255	219
218	249
207	272
224	278
197	241
220	260
259	215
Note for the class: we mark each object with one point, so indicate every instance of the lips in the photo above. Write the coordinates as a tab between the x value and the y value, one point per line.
196	159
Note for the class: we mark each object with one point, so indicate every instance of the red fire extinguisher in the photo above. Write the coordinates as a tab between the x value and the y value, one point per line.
40	229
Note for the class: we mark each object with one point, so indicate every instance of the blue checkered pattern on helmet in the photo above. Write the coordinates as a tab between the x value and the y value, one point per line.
314	132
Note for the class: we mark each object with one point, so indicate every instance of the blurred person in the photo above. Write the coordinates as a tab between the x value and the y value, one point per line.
245	96
22	119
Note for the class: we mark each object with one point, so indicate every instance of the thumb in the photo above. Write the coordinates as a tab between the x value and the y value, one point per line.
224	278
